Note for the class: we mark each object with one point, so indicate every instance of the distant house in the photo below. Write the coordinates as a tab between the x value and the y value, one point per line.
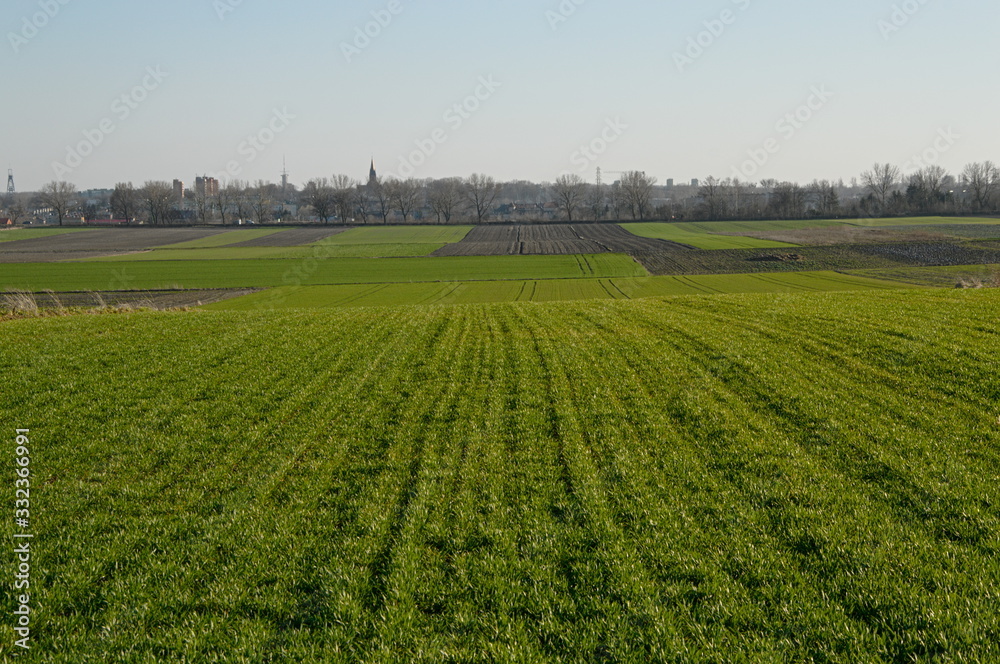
6	221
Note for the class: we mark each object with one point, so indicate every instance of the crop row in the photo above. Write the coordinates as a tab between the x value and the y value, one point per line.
741	478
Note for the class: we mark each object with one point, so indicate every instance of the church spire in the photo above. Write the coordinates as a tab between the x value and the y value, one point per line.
372	175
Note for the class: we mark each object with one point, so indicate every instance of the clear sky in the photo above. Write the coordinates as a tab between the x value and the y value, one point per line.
118	90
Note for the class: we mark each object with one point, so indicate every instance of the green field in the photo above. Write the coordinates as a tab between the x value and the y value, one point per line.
481	292
742	478
11	234
325	250
697	235
124	275
937	277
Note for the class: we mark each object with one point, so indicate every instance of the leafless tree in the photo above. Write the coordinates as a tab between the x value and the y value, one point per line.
225	201
157	199
318	194
59	196
480	193
379	192
443	197
880	181
343	197
362	202
638	190
261	198
617	198
595	202
714	194
124	202
570	192
15	208
404	196
983	180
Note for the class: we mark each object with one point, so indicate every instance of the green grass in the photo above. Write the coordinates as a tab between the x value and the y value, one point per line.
401	235
696	235
222	239
938	277
256	253
124	275
11	234
743	478
481	292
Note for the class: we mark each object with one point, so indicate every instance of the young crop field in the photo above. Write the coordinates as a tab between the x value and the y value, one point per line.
741	478
481	292
258	251
954	276
12	234
693	235
124	275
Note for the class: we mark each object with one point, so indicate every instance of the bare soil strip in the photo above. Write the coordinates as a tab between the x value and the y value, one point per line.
294	237
553	239
151	299
98	242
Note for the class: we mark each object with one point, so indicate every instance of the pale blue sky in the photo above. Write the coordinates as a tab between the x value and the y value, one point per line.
893	94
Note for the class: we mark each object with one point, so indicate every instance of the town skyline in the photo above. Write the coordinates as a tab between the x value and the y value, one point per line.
519	91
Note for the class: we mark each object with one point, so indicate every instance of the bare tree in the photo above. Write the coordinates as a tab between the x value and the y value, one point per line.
157	198
480	193
318	194
570	192
380	193
879	181
443	197
404	195
124	202
225	201
616	195
361	202
261	197
15	208
714	194
595	203
983	180
638	190
343	196
58	196
242	200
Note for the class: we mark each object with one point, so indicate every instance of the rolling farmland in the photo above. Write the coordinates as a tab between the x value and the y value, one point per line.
736	478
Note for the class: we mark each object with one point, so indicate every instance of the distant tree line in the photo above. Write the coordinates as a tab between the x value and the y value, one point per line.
635	196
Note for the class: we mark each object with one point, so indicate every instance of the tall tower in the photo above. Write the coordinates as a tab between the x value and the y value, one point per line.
10	180
284	177
372	175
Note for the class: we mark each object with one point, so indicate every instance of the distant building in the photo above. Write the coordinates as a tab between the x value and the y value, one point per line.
372	175
696	182
670	182
206	186
178	190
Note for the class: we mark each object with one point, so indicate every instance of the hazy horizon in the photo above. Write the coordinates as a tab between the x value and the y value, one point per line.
173	91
